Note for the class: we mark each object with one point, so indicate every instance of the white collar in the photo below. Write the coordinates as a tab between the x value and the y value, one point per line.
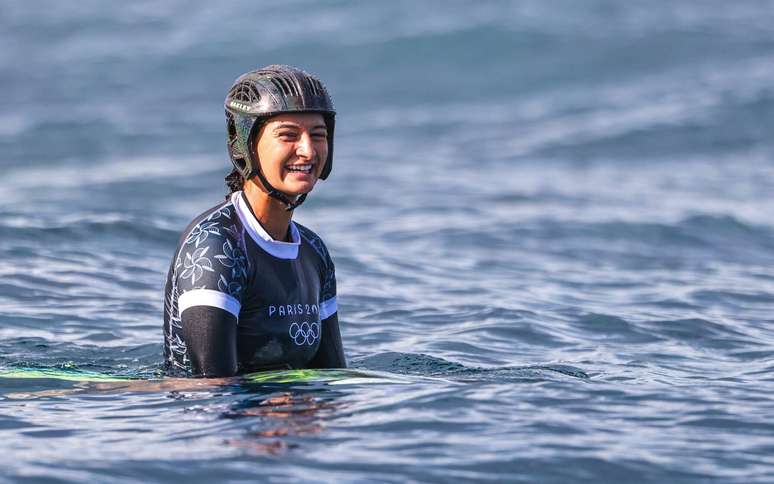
281	250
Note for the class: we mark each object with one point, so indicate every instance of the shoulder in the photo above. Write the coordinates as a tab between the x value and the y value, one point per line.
218	223
211	249
314	240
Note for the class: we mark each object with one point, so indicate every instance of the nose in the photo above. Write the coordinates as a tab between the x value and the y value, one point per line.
305	147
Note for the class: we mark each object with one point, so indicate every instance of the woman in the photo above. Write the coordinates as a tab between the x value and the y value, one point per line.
248	289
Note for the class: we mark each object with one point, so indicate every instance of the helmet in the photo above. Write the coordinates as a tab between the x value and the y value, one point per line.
262	93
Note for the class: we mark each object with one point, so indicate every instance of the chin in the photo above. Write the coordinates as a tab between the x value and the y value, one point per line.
299	190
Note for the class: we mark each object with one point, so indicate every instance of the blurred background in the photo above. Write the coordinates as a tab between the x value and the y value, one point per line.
583	185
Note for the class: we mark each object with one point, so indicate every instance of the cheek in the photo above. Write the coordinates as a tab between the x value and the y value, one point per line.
322	150
276	153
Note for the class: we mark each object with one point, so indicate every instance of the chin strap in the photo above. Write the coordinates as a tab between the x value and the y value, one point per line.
278	195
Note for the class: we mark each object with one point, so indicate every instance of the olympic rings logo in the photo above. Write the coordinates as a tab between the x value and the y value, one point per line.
304	333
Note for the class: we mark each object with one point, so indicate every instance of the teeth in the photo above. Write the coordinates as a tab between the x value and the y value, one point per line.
301	168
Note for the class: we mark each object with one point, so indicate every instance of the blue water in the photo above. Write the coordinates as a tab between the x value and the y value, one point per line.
553	220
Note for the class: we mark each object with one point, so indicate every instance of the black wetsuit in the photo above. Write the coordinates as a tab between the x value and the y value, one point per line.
237	300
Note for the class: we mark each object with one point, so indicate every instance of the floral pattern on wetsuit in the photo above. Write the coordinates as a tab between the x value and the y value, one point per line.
195	264
177	349
211	256
216	238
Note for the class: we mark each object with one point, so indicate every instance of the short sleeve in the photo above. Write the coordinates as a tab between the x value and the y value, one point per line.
327	298
328	306
211	267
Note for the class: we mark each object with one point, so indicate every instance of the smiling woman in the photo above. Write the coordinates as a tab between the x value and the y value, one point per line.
240	261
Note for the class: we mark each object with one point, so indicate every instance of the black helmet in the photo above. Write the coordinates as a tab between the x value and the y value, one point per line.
262	93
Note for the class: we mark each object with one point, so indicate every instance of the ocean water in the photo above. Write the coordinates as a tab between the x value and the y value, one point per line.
551	221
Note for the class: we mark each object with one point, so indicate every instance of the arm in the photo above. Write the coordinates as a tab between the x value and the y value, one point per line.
210	337
331	353
210	278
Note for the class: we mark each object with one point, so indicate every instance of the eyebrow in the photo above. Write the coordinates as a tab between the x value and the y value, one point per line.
293	125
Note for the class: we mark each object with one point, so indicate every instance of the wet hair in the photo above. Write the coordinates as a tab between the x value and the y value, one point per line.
234	182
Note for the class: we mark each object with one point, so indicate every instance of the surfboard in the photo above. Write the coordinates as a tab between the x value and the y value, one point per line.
328	376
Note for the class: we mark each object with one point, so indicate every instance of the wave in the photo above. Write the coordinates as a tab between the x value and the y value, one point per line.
723	235
35	352
79	227
425	365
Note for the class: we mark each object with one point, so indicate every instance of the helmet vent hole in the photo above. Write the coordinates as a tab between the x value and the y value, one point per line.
294	87
285	85
231	127
281	87
245	92
316	86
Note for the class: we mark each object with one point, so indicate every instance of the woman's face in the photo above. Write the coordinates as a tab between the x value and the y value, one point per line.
292	149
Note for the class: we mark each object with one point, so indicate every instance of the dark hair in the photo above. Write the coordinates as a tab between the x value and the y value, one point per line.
234	182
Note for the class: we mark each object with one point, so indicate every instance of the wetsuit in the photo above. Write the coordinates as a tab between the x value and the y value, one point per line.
237	300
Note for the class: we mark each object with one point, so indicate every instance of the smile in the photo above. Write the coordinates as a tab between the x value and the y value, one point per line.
300	168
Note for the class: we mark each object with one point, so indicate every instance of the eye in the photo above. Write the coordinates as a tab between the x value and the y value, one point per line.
320	135
287	135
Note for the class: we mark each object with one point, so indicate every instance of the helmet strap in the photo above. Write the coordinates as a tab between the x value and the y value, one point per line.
278	195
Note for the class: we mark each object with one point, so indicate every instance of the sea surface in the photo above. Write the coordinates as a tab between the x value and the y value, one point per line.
552	223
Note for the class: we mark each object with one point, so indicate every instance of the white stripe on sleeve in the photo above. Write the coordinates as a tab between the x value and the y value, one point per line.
208	297
328	308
